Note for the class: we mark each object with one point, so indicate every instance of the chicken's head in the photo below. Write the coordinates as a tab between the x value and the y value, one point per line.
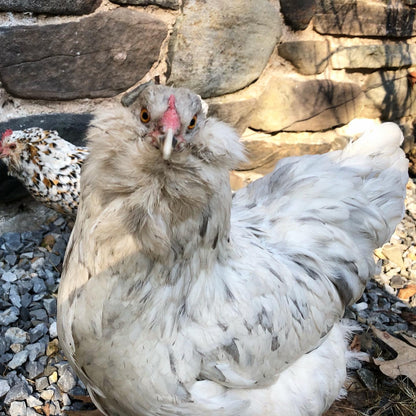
169	118
5	147
175	121
19	149
10	148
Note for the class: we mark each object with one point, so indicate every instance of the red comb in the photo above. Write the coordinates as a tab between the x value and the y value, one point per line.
170	118
8	132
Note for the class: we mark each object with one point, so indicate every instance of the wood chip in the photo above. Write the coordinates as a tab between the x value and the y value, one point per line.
355	344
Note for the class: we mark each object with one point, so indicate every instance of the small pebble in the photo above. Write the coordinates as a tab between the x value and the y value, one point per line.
35	350
50	306
38	315
4	387
16	335
15	297
9	276
41	383
67	381
47	394
53	332
16	348
20	391
11	259
17	409
37	332
359	306
12	241
33	401
18	359
34	369
53	378
9	316
368	378
38	285
54	259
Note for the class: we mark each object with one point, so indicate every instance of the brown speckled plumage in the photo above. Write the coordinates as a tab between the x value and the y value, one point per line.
48	165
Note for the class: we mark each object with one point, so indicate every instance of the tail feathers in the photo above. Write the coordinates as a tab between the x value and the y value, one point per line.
382	139
384	168
384	136
378	149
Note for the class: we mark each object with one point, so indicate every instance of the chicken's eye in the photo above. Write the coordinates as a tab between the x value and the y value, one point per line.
12	146
144	115
192	124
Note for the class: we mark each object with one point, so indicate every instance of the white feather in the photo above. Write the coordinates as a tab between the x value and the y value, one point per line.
177	299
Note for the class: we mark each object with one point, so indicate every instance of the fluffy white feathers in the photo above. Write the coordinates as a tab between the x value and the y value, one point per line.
178	299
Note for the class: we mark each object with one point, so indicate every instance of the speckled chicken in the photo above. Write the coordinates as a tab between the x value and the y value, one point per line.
49	166
179	298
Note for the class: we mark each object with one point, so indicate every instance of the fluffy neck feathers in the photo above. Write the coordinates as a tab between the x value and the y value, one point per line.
172	208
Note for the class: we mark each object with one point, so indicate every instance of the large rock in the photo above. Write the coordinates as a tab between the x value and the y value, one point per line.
374	56
308	57
291	104
70	126
232	110
389	95
298	13
58	7
167	4
364	18
236	109
265	150
220	47
98	56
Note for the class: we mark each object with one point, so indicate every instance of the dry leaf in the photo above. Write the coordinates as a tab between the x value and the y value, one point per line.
405	362
355	344
53	347
407	292
46	409
48	242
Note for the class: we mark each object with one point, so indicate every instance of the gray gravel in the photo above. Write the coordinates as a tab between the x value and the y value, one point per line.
34	376
380	305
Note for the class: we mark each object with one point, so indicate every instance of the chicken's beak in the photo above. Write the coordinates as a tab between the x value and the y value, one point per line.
170	125
167	144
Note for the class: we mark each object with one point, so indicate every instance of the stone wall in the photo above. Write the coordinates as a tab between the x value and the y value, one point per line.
290	76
